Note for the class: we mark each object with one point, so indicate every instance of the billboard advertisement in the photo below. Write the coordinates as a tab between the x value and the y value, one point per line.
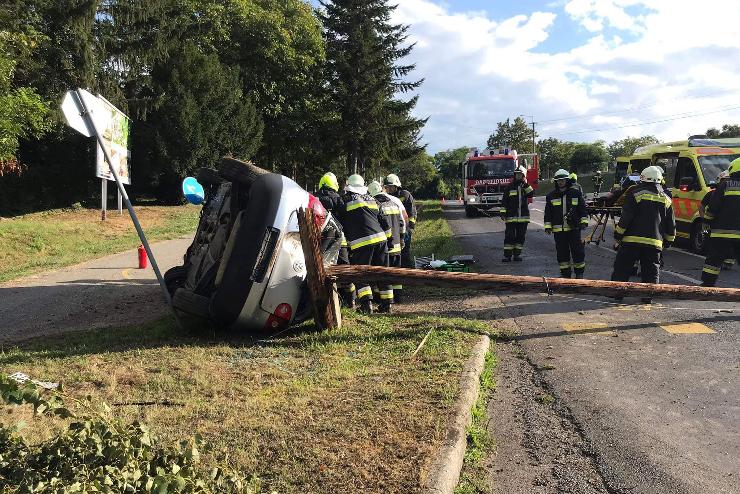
115	134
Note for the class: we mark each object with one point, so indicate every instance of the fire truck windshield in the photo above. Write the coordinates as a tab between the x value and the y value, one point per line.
490	168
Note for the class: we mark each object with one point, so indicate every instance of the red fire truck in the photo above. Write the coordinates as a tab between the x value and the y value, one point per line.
486	175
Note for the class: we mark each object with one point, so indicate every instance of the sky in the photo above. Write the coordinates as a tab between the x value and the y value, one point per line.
584	70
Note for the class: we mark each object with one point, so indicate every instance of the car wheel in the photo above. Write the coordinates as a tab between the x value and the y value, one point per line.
699	238
191	303
471	212
175	278
239	171
208	176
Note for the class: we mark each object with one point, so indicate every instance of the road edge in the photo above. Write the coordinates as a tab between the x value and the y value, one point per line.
444	473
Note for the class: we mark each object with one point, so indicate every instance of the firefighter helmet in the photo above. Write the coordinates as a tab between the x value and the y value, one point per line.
521	169
392	179
374	188
652	174
573	176
723	175
734	166
561	175
329	180
356	181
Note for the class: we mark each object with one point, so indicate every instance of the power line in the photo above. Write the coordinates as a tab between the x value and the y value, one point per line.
637	108
678	116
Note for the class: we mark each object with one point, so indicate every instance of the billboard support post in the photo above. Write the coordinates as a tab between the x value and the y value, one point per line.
120	203
103	199
93	127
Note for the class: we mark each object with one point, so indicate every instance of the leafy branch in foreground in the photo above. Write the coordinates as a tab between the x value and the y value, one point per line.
98	453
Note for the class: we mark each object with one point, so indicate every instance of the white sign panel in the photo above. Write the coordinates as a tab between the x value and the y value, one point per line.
115	133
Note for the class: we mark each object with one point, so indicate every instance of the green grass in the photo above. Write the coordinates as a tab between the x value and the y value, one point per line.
58	238
433	234
351	410
475	477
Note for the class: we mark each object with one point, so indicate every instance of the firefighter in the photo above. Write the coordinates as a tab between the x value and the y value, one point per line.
516	215
727	263
646	227
565	216
394	211
366	229
330	198
573	177
724	213
393	186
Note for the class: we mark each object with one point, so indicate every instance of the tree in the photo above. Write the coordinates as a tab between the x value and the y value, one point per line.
728	130
364	76
448	164
589	158
418	175
516	135
554	154
627	146
202	115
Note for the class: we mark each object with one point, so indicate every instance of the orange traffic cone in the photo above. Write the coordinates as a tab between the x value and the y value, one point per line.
443	199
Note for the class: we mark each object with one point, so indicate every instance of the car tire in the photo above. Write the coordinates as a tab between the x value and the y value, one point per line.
471	212
208	176
698	238
191	303
175	278
239	171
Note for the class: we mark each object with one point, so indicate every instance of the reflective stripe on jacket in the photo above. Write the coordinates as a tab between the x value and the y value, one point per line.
724	209
516	202
363	221
647	217
393	213
559	204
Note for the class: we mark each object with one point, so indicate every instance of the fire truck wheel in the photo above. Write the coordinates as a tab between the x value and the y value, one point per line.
239	171
191	303
699	238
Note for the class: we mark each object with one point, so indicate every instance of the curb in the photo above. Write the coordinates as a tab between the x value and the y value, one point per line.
444	473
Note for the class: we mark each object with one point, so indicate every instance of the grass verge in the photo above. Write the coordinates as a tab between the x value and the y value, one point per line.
433	234
57	238
475	477
352	410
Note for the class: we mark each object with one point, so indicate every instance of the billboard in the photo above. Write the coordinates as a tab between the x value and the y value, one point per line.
115	134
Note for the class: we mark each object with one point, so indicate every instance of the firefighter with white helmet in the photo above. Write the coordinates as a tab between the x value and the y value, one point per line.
724	213
392	185
645	228
565	216
516	214
366	229
396	214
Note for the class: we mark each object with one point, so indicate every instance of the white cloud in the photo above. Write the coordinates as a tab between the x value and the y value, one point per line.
480	70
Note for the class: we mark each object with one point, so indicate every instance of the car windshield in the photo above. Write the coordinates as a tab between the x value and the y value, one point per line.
712	166
490	168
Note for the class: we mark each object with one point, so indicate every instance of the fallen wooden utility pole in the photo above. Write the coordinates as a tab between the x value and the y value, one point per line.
320	286
506	283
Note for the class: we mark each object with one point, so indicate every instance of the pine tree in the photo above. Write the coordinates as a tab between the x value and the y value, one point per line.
375	130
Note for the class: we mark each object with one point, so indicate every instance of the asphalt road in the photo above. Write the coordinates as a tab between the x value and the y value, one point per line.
106	292
654	389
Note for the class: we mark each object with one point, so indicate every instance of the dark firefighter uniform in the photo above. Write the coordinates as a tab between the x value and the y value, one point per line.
565	216
408	202
366	229
516	215
724	214
393	214
332	202
644	229
727	263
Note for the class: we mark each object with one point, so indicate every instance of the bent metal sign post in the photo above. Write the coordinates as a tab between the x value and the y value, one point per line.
91	116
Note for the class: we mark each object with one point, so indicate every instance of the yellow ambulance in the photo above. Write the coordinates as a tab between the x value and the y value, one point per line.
691	167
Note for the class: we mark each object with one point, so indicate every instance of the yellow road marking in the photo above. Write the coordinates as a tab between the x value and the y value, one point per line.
125	274
687	328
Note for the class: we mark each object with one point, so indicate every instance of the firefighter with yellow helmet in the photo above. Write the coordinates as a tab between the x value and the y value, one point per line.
723	213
